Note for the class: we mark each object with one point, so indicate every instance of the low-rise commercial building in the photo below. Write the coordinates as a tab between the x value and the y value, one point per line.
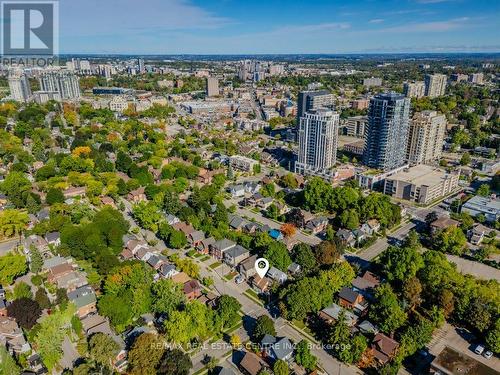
421	184
486	206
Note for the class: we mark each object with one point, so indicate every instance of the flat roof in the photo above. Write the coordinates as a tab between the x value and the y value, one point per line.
421	175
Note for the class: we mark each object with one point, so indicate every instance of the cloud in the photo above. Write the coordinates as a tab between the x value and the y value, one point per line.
435	26
127	17
376	20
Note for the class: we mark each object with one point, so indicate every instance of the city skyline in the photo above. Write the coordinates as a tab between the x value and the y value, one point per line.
325	27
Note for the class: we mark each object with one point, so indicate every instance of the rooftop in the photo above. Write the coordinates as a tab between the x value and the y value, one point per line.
421	175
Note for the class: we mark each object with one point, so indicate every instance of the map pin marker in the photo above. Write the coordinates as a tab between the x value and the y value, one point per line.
261	266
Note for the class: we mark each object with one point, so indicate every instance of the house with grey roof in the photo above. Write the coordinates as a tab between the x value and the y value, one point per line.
235	255
218	248
331	314
167	270
277	275
247	267
204	245
277	349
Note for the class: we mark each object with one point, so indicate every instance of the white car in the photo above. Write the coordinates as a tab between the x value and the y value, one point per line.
479	349
488	354
239	279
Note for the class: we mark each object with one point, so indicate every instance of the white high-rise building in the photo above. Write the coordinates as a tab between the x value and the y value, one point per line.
414	89
63	82
19	85
426	137
318	138
435	85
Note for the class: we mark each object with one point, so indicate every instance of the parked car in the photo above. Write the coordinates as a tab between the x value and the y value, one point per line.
239	279
488	354
479	349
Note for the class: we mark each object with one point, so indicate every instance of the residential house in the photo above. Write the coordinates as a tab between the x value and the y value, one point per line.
108	201
37	242
137	195
74	192
236	191
264	203
331	314
180	278
237	223
277	349
185	228
476	233
59	271
85	300
371	227
261	285
294	269
251	364
317	225
235	255
299	217
251	187
366	284
368	328
53	238
352	300
156	261
442	223
192	289
250	227
218	248
167	271
134	245
143	254
208	299
277	275
11	336
247	267
282	207
194	238
346	236
172	219
384	348
360	235
254	199
71	281
204	245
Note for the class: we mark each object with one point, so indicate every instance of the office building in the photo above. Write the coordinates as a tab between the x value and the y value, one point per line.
63	82
372	82
19	85
318	137
414	89
435	85
421	184
212	86
355	126
426	137
386	133
309	100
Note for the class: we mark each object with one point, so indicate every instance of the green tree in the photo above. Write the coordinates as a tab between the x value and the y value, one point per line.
227	311
303	255
400	263
54	196
386	312
22	290
327	252
280	367
8	365
15	186
36	260
451	240
264	326
167	296
103	349
12	222
349	219
42	298
145	354
11	266
303	356
484	190
278	256
465	159
493	337
175	362
352	353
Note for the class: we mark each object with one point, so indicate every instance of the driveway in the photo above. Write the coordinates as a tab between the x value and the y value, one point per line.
70	354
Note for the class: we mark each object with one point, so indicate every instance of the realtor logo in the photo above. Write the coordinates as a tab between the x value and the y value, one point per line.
29	28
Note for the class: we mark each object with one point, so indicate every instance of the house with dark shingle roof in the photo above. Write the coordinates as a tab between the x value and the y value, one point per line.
218	248
235	255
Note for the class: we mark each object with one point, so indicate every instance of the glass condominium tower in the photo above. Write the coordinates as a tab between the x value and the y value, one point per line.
386	135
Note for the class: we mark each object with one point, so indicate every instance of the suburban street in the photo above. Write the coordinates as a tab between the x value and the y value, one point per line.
249	307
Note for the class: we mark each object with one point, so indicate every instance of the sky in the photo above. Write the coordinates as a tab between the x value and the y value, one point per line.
278	27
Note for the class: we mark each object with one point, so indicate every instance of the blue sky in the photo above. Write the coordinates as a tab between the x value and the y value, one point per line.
272	26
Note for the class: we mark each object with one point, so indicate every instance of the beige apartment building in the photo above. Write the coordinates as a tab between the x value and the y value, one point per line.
421	184
414	89
435	85
426	136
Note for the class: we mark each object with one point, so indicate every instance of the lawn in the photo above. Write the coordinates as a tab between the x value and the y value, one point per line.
230	275
215	265
206	257
250	293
